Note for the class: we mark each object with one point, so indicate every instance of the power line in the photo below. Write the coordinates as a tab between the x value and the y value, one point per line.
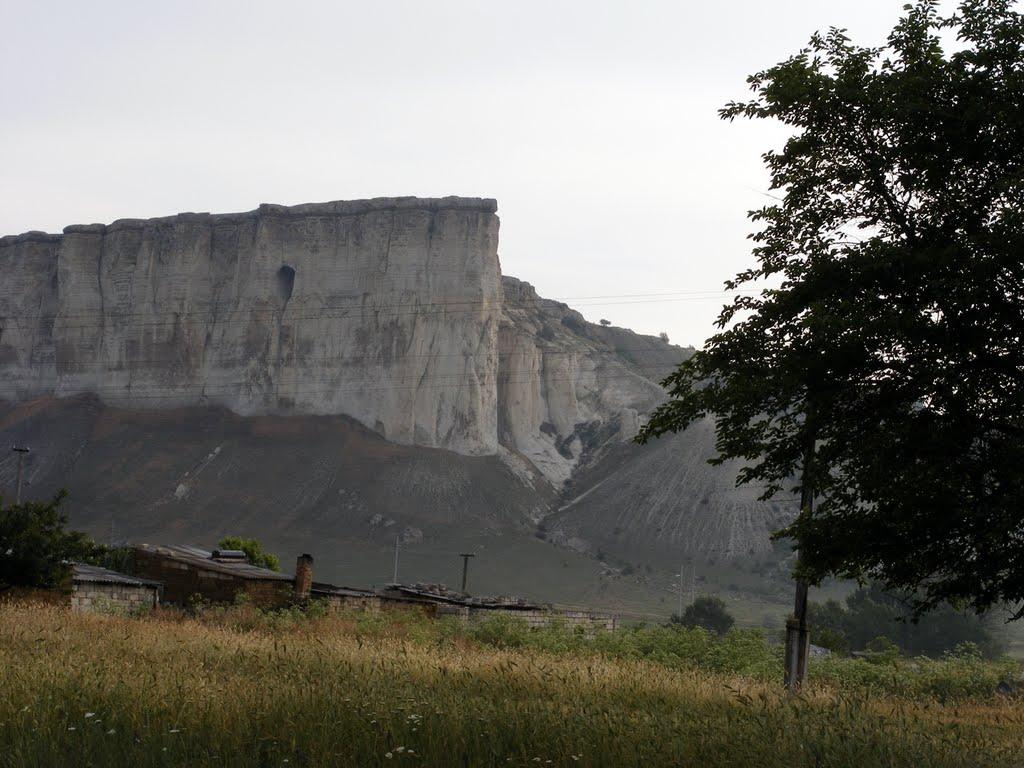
612	355
540	301
216	316
274	387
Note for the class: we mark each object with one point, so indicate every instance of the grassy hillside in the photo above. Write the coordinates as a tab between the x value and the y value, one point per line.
245	689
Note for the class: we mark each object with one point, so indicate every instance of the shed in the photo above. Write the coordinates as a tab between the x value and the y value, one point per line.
95	588
217	576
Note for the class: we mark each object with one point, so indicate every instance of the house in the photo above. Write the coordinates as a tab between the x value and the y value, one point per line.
219	576
94	588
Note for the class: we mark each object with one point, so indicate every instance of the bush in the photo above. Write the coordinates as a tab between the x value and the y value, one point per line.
36	547
253	552
870	613
707	612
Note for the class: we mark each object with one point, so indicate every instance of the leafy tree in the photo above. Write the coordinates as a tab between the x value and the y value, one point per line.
707	612
253	551
885	371
35	548
870	613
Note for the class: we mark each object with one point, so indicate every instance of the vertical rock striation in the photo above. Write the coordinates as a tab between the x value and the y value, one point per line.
567	389
386	310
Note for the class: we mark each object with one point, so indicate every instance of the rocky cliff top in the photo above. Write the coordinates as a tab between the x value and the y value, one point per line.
303	210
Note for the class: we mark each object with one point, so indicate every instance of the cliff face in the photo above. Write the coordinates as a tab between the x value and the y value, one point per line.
568	390
390	312
385	310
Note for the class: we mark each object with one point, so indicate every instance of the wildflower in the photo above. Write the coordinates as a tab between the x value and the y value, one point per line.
89	714
399	749
72	728
175	730
111	732
388	755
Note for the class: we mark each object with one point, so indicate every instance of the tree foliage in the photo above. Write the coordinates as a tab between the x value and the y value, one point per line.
707	612
884	371
253	552
870	613
35	548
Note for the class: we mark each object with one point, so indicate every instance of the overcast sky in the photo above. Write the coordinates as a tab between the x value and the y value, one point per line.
593	123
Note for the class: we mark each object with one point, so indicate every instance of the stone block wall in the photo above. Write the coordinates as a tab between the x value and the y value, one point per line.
89	596
539	617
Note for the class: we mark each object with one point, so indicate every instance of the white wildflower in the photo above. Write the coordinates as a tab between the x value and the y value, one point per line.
89	714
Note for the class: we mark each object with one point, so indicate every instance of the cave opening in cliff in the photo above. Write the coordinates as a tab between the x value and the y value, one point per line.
285	282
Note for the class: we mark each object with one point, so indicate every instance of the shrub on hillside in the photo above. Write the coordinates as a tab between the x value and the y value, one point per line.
708	613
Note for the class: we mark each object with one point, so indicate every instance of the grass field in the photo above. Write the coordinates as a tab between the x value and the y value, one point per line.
239	688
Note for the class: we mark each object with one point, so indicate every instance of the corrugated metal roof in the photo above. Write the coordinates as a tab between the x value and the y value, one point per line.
201	558
93	574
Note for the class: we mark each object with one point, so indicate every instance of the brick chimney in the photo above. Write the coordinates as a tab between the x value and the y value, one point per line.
303	576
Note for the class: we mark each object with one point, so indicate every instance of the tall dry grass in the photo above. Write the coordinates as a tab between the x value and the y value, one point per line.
92	690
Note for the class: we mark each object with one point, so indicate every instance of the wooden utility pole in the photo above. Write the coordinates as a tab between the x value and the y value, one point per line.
465	569
798	636
394	578
21	451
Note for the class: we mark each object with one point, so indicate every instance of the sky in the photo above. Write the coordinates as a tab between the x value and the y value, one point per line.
593	123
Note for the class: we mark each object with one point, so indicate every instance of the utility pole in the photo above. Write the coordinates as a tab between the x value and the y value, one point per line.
394	578
21	451
798	636
465	569
680	614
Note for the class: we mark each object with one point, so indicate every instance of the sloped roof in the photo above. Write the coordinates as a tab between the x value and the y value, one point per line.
320	588
93	574
201	558
441	594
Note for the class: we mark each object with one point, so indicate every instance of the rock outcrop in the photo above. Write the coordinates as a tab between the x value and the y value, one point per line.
568	389
390	312
384	310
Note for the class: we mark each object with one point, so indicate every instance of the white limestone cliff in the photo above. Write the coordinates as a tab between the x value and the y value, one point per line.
569	389
386	310
392	311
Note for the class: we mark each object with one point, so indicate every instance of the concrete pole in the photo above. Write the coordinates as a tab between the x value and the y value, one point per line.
394	578
681	567
465	569
21	451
